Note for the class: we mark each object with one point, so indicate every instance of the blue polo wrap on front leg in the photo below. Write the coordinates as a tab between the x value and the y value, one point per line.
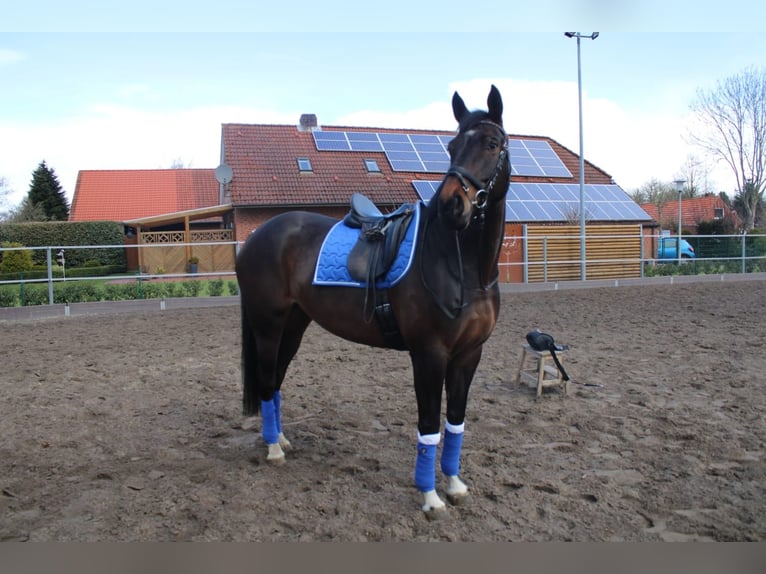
425	464
453	443
278	410
269	431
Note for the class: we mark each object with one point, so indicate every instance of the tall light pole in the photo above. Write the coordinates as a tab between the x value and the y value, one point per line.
680	189
592	36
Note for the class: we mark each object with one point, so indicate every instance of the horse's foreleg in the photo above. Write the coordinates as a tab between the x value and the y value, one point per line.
425	475
458	381
450	462
428	370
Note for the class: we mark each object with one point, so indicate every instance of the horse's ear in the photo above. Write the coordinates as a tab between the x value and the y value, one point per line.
458	107
495	105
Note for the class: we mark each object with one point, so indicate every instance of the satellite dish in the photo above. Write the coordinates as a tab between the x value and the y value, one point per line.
223	173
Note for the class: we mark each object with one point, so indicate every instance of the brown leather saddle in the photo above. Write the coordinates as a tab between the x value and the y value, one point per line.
380	236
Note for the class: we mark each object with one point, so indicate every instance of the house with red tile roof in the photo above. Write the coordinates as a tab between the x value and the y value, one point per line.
694	210
173	207
279	167
274	168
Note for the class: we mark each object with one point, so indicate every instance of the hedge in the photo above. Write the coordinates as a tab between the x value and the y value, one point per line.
47	233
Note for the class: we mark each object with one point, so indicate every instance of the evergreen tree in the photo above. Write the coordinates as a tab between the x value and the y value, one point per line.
45	191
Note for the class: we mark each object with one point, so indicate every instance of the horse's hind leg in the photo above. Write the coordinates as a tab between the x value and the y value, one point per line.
291	341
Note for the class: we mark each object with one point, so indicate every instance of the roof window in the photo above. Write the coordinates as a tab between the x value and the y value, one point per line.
372	166
304	164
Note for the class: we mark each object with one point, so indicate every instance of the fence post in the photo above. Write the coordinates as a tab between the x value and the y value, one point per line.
744	238
49	262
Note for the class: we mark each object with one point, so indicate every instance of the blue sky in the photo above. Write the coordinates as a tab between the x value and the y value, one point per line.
131	87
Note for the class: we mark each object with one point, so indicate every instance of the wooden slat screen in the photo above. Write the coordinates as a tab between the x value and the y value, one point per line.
611	251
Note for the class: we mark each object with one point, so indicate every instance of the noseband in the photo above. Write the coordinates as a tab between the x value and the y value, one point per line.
481	197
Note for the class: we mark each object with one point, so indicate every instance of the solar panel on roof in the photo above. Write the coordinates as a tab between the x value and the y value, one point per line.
528	202
426	189
331	141
528	157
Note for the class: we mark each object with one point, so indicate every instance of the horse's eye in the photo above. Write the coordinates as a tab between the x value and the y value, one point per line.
492	144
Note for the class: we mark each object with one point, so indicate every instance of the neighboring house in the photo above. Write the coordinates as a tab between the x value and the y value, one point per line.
693	211
160	207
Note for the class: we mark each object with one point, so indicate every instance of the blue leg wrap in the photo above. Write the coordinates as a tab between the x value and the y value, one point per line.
425	467
270	434
450	462
278	410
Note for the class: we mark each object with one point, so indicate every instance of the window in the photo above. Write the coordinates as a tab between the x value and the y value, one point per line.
372	166
718	213
304	164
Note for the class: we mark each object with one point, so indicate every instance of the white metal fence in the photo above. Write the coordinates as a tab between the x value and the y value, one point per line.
744	253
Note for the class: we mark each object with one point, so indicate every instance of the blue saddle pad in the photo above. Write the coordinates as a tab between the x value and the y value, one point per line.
331	266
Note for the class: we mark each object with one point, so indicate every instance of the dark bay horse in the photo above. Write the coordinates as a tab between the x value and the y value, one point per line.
445	307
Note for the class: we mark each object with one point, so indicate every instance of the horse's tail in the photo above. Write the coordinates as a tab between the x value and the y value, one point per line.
251	401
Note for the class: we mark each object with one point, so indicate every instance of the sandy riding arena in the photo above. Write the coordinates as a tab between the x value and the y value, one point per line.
128	427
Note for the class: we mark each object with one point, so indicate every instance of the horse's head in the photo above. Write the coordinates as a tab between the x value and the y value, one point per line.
479	164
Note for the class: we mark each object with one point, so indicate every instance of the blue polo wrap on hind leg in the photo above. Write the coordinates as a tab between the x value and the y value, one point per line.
278	410
425	464
269	431
453	443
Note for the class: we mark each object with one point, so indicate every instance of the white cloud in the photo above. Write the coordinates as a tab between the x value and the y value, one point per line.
632	147
118	137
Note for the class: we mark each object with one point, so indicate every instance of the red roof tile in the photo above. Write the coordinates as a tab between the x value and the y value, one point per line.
693	211
120	195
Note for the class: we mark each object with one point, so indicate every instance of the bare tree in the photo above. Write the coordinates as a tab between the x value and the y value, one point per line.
732	119
696	174
5	193
657	193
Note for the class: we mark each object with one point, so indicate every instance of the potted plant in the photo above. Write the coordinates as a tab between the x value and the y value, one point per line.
193	262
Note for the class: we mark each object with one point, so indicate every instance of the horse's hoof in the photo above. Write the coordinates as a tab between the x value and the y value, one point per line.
284	443
457	498
435	514
457	491
433	507
275	456
276	460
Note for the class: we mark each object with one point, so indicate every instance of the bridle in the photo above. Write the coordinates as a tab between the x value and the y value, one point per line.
483	190
479	203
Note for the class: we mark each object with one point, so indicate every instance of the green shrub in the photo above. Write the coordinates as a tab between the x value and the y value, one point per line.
191	288
233	287
9	296
92	263
17	261
215	287
77	292
120	291
34	294
155	290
